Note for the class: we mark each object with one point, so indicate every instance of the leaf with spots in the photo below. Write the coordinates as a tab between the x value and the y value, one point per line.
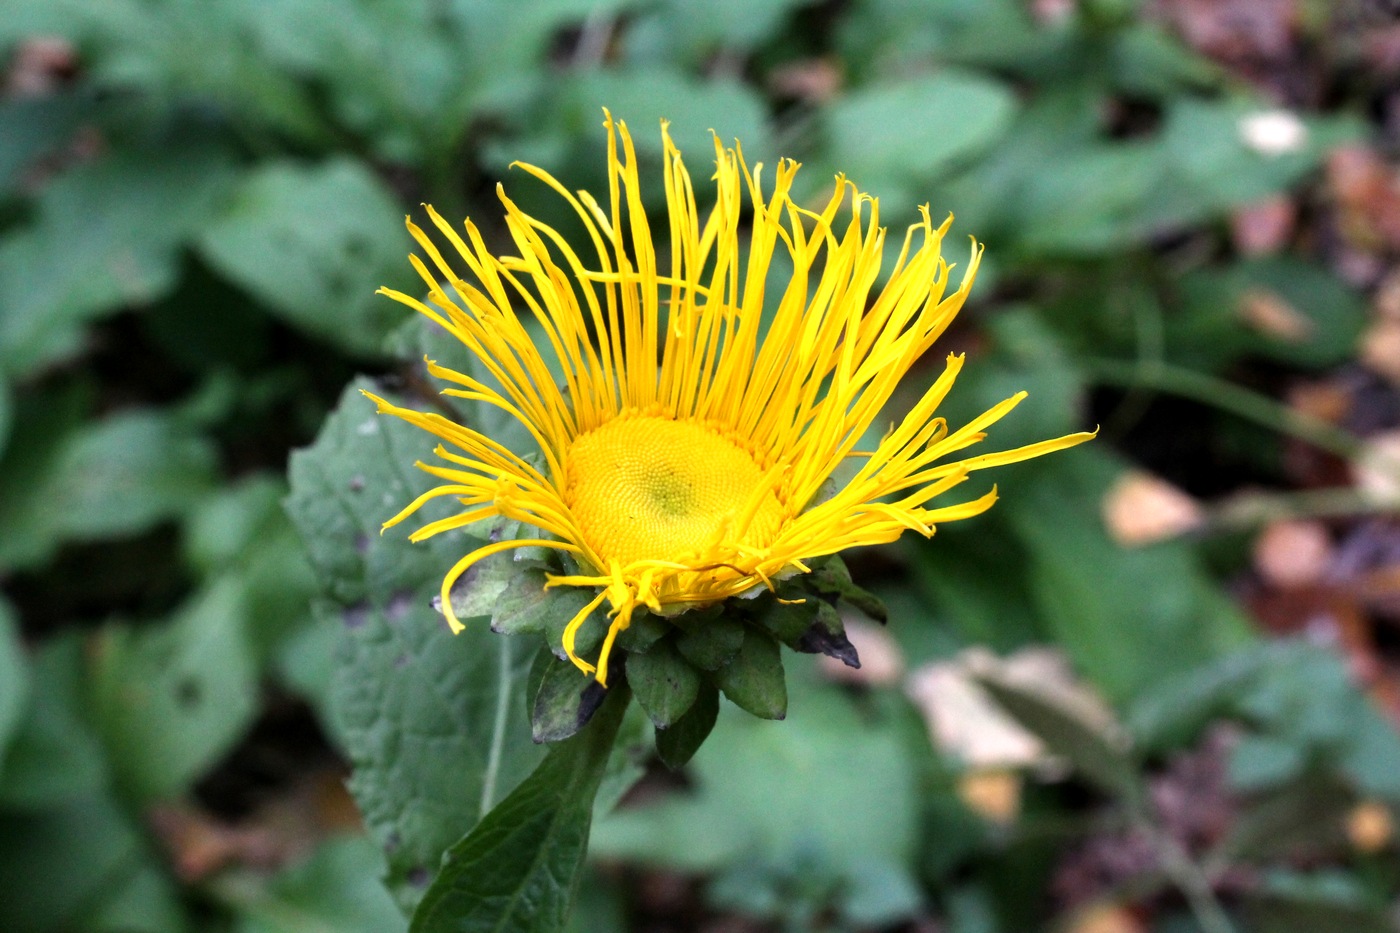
754	680
170	700
565	699
664	682
434	724
518	871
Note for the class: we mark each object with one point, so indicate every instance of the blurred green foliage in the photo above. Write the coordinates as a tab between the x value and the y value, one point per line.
197	201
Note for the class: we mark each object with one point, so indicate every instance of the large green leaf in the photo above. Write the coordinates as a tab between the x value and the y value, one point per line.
244	532
106	235
313	244
518	870
170	700
332	891
120	475
435	725
54	754
644	97
82	866
832	789
358	474
917	128
678	29
33	127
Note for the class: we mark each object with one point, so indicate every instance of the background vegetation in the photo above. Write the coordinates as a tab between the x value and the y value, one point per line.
1192	212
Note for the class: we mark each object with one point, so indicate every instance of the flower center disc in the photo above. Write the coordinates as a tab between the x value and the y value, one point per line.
649	488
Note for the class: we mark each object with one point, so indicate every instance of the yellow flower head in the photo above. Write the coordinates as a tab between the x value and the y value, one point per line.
687	438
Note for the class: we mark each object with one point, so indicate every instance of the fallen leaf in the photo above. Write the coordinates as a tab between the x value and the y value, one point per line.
1377	469
1370	826
811	79
1264	227
1380	349
39	66
1141	508
1104	918
285	828
1235	31
1270	314
993	794
1293	553
1367	192
966	723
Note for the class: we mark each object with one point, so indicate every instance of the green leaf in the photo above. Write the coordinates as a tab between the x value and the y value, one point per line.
169	701
631	758
565	700
834	789
526	605
313	244
54	754
917	128
34	127
831	578
1206	147
14	679
643	97
7	414
678	743
812	626
1330	314
1179	619
1328	899
1259	762
334	889
644	631
664	682
709	641
754	681
681	30
244	532
434	724
82	866
518	871
113	477
356	476
75	263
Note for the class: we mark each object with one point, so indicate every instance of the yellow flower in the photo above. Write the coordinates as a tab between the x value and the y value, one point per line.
687	439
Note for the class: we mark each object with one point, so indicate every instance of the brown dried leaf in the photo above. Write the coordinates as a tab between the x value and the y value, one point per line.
1235	31
1104	918
966	723
1367	192
284	829
1264	227
40	66
1377	470
817	80
1270	314
1370	826
1293	553
993	794
1141	508
1380	349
